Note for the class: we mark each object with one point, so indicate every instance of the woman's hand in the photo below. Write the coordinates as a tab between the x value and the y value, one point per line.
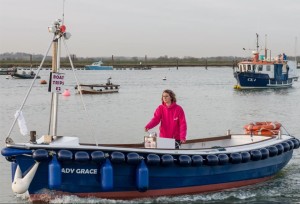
182	141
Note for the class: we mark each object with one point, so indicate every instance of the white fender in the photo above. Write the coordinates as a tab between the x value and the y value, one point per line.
20	185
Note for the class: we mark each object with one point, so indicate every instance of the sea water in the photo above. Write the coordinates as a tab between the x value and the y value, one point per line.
211	105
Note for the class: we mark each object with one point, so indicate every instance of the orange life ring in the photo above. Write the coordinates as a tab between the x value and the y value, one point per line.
262	126
263	132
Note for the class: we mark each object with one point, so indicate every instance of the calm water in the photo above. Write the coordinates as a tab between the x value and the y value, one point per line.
211	106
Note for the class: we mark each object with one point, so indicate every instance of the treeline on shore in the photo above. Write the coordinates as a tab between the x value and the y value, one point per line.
28	60
122	64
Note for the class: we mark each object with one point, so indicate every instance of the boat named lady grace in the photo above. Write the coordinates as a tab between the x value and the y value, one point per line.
55	165
259	72
64	166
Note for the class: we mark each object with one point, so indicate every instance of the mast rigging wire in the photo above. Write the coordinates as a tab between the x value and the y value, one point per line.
8	139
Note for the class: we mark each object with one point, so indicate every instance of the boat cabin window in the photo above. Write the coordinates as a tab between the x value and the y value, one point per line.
268	68
260	67
284	67
244	68
254	67
249	67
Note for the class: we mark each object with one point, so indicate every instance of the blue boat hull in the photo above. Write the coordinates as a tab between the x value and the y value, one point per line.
98	68
85	178
258	80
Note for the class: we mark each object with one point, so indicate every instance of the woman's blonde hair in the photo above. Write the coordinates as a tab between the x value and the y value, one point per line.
171	94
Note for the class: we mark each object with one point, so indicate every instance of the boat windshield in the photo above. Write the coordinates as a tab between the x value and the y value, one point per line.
98	63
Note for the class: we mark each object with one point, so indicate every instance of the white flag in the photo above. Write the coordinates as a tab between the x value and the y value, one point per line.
21	122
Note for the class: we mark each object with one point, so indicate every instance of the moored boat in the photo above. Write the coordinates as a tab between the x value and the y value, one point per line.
97	88
98	66
21	74
263	72
7	71
55	165
108	87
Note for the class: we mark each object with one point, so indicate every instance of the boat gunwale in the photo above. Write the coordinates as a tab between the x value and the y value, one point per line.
100	85
142	149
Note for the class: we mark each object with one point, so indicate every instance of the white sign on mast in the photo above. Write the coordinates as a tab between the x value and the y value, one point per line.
57	82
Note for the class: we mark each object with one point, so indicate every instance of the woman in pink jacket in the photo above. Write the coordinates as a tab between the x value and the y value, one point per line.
171	118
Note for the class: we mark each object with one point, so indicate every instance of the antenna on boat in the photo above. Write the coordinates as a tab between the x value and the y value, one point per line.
63	14
257	46
266	50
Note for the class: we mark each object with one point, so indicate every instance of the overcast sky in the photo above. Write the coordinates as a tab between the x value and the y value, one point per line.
176	28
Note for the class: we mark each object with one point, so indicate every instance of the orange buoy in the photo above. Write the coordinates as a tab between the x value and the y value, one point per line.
43	81
66	93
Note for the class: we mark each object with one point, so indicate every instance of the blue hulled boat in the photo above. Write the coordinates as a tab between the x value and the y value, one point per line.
98	66
120	171
263	72
55	165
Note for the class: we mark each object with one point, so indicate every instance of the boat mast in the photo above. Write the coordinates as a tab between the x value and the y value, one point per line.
55	66
58	29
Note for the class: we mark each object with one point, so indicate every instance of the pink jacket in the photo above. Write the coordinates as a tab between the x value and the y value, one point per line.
172	121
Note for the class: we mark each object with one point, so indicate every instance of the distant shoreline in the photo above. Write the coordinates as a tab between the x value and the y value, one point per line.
120	65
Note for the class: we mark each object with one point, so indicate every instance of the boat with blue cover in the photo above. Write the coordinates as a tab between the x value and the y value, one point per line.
7	71
98	66
54	165
262	71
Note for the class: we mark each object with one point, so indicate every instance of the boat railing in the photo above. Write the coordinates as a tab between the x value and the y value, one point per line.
280	82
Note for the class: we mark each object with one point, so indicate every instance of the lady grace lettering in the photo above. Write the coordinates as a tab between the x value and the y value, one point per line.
78	171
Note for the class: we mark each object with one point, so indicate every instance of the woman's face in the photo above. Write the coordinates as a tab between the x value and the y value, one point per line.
166	98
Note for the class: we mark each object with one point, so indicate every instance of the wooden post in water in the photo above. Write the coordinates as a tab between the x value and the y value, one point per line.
205	63
177	64
73	58
30	60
